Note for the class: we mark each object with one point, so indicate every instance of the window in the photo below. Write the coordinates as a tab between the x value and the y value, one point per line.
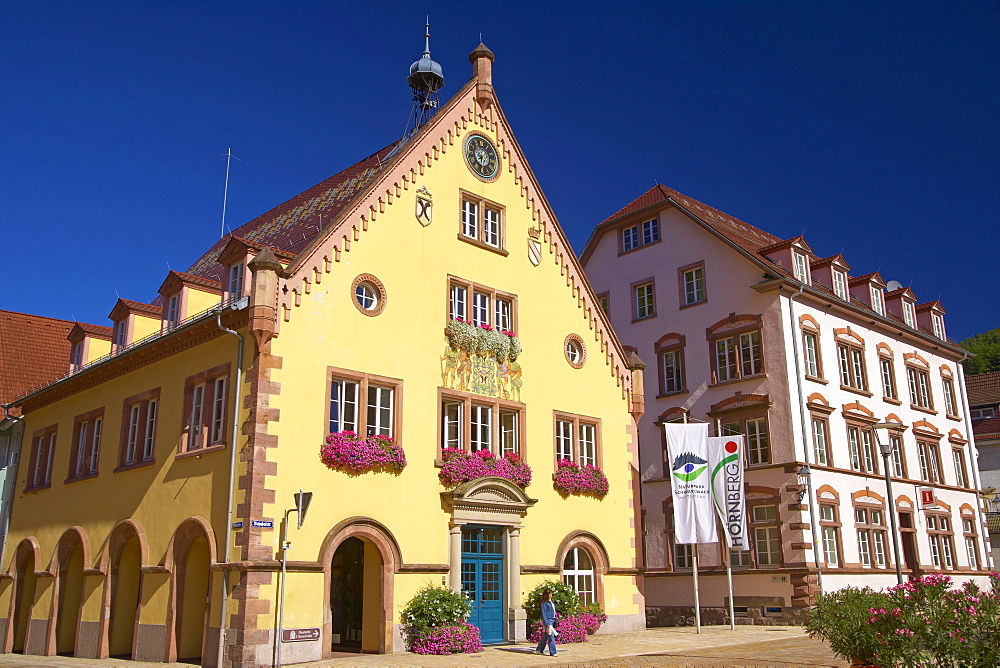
482	223
576	439
683	555
938	323
377	415
961	477
738	357
840	284
650	231
644	303
86	444
758	447
861	446
853	374
821	441
604	301
810	344
219	410
473	422
909	317
670	364
870	525
982	413
120	334
767	539
236	280
971	542
692	280
575	350
205	409
630	238
43	452
138	438
920	388
878	305
930	461
949	397
739	558
801	271
888	375
480	305
173	310
941	540
578	572
830	534
76	355
898	466
368	294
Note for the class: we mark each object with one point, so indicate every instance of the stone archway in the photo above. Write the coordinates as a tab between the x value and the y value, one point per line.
190	554
497	503
26	561
123	560
72	557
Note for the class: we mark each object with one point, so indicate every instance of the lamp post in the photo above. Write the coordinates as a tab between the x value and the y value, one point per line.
302	500
886	450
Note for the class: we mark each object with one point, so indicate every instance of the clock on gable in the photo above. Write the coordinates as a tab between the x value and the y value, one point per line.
481	157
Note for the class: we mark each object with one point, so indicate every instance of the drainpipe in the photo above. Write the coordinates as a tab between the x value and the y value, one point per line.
974	463
232	480
803	410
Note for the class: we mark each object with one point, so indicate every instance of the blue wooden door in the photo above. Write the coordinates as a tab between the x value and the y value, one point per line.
482	579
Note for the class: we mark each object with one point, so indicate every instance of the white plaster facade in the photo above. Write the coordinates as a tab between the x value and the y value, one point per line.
746	290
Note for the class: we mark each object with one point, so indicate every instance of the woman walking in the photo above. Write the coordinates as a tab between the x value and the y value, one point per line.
549	632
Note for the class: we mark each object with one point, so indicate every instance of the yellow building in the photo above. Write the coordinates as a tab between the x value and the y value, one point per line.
146	487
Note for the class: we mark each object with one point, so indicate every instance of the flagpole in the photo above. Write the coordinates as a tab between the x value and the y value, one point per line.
694	568
729	561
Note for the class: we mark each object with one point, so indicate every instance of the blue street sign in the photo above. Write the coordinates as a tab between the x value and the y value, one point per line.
264	524
237	525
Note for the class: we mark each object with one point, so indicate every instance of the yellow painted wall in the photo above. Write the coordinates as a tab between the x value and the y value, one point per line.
143	326
96	349
406	342
199	301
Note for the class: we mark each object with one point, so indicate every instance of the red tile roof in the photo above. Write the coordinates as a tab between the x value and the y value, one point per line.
33	351
292	226
983	388
987	429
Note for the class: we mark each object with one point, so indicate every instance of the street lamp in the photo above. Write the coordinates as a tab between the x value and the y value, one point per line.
894	428
802	480
302	500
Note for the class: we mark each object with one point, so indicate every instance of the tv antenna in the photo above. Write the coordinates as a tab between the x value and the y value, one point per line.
225	192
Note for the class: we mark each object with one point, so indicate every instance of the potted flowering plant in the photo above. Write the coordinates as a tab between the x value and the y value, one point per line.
484	340
354	454
460	466
571	478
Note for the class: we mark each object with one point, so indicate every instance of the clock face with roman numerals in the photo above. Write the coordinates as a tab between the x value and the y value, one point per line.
481	156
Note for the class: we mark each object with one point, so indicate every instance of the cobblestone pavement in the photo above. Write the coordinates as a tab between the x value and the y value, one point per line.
748	646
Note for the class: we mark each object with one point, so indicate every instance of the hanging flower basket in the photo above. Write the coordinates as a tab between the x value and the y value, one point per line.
353	454
460	466
483	340
586	480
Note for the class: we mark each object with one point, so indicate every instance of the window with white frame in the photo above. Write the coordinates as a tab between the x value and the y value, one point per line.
362	403
898	464
670	362
683	555
693	282
821	440
578	572
981	413
755	432
888	375
861	447
472	423
909	317
948	386
830	534
878	304
76	355
236	280
173	315
938	323
481	305
971	541
481	222
810	346
644	301
767	537
738	356
941	539
801	270
650	231
961	476
139	414
86	444
637	236
930	461
853	373
576	439
870	526
840	284
120	334
630	238
43	452
920	388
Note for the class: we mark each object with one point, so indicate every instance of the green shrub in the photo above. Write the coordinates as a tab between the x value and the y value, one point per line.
564	597
841	618
433	607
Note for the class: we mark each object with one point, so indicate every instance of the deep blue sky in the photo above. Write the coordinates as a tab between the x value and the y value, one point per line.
870	126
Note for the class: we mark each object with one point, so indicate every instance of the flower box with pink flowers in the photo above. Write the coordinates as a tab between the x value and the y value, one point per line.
354	454
460	466
585	480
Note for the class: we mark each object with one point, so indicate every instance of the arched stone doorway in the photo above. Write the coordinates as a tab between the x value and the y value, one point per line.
191	553
126	582
360	558
24	593
72	559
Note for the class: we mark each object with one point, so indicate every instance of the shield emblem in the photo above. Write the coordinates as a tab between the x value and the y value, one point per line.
425	206
534	247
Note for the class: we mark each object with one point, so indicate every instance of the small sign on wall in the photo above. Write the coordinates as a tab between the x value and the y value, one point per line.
777	579
299	635
927	498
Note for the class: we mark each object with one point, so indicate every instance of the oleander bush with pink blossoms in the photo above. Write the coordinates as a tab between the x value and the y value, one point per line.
923	622
434	620
576	621
461	638
354	454
587	480
460	466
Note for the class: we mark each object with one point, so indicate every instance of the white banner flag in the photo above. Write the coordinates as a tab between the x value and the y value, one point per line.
725	460
687	453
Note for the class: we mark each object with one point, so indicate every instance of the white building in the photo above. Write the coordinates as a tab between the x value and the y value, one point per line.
761	336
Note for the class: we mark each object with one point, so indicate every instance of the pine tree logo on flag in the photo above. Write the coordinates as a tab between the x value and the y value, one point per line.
688	466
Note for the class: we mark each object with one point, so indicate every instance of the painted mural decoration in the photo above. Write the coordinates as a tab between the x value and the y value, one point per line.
482	360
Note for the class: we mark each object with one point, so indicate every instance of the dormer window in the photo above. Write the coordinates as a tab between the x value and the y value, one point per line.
840	284
120	334
877	304
236	280
938	323
909	317
173	310
801	272
76	355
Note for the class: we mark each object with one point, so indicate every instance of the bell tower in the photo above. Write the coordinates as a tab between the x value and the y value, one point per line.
425	79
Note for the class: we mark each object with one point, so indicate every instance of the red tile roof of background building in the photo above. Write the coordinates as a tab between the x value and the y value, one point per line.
987	429
33	351
292	226
983	388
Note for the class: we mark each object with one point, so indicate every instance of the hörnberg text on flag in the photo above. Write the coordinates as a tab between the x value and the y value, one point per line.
687	452
725	461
